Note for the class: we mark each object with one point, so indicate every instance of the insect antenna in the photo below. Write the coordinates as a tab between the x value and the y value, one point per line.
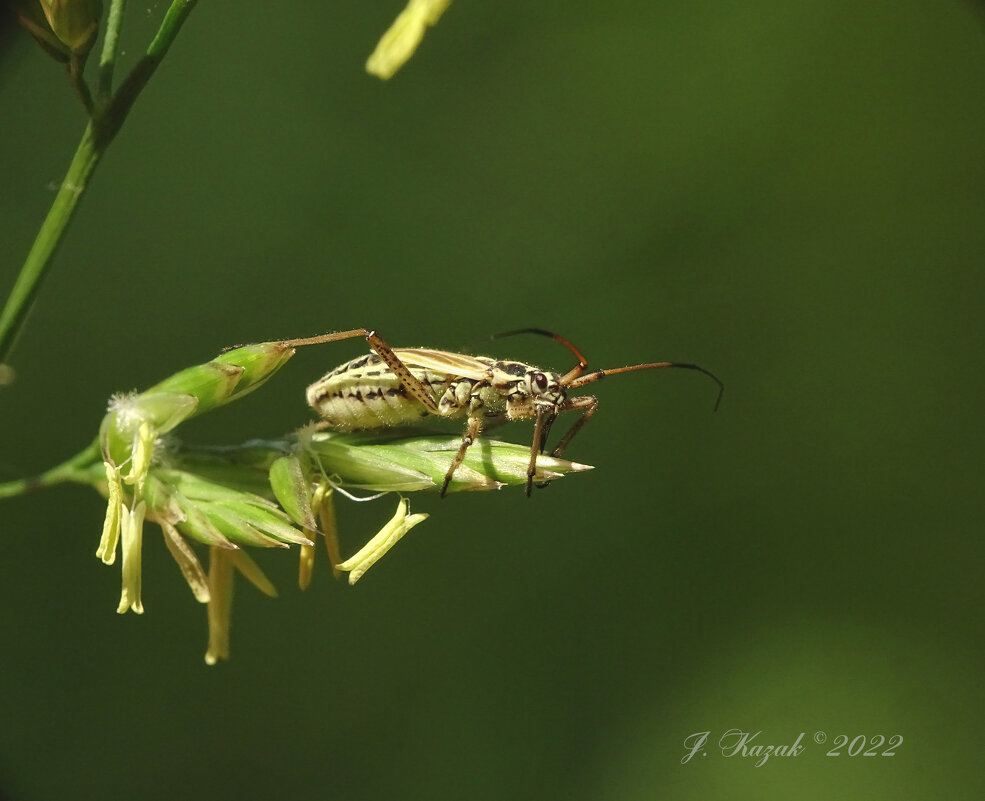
588	378
575	371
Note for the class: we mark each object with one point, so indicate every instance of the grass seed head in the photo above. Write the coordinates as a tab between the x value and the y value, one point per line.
380	463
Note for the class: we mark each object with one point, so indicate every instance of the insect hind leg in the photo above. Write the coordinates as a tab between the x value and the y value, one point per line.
412	384
333	337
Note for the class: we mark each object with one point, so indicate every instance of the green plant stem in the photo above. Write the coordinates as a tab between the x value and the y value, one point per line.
79	469
76	66
35	267
111	46
102	128
135	82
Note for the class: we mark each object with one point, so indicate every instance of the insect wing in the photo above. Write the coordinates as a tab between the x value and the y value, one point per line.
443	361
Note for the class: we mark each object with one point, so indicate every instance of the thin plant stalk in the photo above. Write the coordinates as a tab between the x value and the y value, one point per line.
108	116
111	47
80	469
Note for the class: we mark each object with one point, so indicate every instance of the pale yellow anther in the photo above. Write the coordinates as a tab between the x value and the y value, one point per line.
143	450
388	536
323	506
114	513
220	604
187	561
244	563
132	535
402	38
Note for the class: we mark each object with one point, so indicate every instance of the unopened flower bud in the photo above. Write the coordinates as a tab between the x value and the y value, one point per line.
74	22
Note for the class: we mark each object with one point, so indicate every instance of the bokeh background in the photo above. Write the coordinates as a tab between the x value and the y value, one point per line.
791	194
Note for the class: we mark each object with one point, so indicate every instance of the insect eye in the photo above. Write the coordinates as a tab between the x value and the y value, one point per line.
540	381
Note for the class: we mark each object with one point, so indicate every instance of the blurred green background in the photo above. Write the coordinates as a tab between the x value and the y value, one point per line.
792	195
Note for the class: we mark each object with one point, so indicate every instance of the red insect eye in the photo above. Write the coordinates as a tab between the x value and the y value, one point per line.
540	380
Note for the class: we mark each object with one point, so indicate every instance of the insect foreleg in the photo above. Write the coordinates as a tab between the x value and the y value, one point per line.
548	422
543	416
587	402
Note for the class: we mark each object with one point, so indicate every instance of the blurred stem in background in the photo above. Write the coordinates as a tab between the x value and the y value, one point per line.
67	31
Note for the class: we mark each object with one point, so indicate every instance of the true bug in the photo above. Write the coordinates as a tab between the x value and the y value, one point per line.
401	386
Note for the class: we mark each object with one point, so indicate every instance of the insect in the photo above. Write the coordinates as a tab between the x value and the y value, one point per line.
401	386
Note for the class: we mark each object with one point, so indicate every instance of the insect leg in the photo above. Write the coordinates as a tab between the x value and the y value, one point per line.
413	385
335	337
548	422
545	416
587	402
472	428
385	352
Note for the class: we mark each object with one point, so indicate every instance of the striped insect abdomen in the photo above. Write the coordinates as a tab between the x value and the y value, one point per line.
365	394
